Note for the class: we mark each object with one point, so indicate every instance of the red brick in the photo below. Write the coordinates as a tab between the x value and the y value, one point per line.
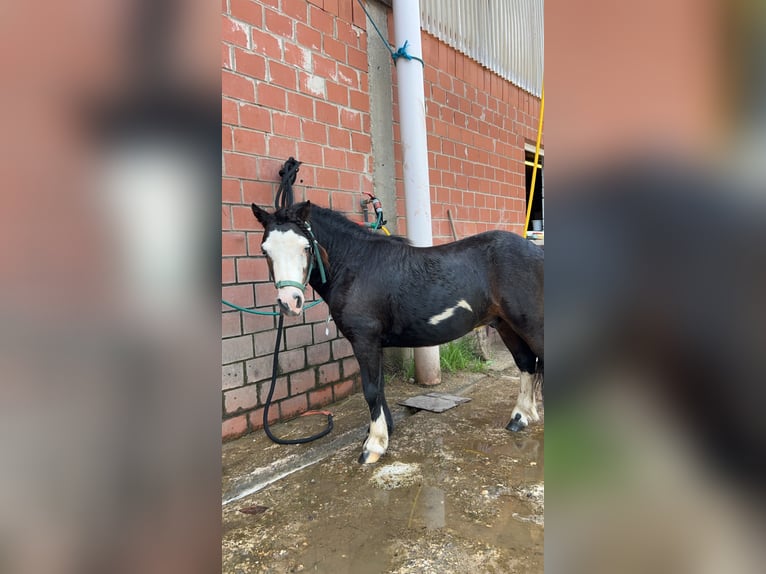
297	56
226	57
318	354
259	193
255	418
257	323
265	294
336	93
292	407
309	153
341	348
271	96
300	105
247	11
322	20
226	138
314	131
241	295
233	244
266	44
347	75
344	201
334	49
228	274
356	162
290	361
349	181
237	87
281	147
326	113
311	84
299	336
229	111
252	269
339	138
280	389
302	382
255	117
233	32
286	125
231	324
264	345
232	376
332	6
281	75
296	9
360	100
350	367
237	165
234	427
308	37
351	119
259	368
334	158
329	373
278	23
343	389
325	67
236	349
249	64
359	18
320	398
240	399
250	142
346	33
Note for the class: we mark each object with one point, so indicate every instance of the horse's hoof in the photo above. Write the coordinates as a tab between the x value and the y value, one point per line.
369	457
516	424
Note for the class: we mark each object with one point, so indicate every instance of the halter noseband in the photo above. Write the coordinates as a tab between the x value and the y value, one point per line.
314	254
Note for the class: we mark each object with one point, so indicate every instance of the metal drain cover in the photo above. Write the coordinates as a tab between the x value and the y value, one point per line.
434	402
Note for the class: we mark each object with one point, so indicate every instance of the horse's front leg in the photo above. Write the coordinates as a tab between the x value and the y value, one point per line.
370	357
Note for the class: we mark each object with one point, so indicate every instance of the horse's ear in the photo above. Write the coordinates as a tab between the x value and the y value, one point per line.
302	210
261	215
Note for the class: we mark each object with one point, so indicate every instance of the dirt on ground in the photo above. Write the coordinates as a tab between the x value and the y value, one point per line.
455	493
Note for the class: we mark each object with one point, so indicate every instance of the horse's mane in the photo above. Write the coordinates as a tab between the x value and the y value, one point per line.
335	223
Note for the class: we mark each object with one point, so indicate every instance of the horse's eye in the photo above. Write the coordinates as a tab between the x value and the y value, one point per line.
307	249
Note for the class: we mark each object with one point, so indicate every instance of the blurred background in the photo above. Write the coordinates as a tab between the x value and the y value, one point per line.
109	266
109	263
655	270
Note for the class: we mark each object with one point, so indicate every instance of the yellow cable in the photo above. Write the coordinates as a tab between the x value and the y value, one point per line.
537	157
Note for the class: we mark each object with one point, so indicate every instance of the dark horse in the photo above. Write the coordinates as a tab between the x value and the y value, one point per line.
383	292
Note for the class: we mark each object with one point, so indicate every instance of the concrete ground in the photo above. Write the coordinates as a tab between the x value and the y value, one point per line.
455	493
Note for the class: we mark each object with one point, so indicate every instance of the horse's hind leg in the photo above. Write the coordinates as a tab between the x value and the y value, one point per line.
370	359
525	411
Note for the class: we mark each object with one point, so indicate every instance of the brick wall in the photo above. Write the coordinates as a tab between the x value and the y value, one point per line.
295	82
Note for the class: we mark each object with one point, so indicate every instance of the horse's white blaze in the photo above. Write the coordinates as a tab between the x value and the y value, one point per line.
377	441
447	313
525	404
287	251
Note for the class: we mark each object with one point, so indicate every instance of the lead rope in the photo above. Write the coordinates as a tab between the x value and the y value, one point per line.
284	198
266	428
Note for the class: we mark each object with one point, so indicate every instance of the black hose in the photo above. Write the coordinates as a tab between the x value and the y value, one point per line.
274	368
287	176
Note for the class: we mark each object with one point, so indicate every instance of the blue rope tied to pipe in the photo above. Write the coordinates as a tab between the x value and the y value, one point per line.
402	53
395	54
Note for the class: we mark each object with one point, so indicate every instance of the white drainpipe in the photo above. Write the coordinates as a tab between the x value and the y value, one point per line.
412	124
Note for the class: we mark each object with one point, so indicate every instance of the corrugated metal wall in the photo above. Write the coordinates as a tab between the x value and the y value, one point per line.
506	36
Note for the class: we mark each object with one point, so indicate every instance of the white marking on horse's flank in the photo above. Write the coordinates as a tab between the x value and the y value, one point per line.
447	313
377	441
